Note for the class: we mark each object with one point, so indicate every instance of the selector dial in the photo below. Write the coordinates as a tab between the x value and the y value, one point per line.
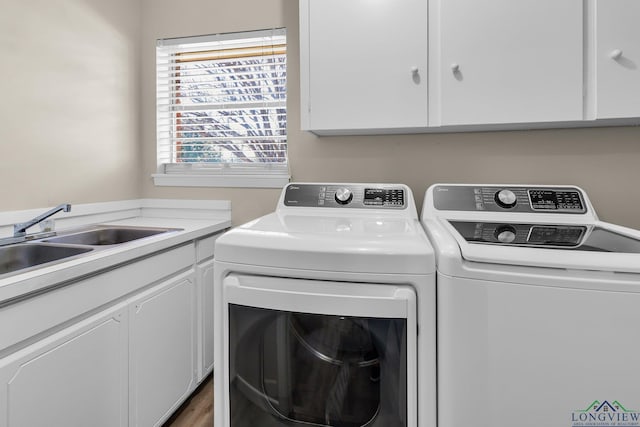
506	198
343	196
505	234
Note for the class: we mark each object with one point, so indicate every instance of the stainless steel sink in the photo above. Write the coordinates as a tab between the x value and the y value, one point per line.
107	235
18	257
22	256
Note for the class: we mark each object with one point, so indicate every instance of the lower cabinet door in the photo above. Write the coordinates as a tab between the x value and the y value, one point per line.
76	377
163	350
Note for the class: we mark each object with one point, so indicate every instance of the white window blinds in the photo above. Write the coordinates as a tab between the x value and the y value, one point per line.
221	104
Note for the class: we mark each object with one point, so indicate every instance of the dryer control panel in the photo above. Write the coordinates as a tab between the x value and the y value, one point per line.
345	196
509	199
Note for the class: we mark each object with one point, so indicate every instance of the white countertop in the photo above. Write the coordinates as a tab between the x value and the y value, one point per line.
196	220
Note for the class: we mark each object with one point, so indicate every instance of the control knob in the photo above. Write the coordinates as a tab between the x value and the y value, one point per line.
505	234
343	196
506	198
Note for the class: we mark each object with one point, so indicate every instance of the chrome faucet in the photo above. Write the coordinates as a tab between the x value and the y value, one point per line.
20	229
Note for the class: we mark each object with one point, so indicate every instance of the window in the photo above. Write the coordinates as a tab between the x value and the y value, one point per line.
221	110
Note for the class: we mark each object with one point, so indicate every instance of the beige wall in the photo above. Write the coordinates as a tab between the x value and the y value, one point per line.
69	110
74	84
604	161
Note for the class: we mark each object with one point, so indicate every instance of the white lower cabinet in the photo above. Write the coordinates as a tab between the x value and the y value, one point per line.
76	377
124	347
162	349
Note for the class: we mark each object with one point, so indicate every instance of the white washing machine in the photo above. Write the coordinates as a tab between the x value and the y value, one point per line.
538	308
325	312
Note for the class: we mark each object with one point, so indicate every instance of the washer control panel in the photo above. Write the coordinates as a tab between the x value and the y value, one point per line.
539	235
345	196
509	199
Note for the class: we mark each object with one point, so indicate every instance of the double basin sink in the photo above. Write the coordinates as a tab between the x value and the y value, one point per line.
20	257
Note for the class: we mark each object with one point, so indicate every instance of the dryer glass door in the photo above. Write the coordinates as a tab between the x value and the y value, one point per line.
297	368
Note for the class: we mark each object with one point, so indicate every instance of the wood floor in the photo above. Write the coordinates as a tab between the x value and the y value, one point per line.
197	411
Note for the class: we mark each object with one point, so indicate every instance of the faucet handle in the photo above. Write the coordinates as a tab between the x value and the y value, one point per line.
48	225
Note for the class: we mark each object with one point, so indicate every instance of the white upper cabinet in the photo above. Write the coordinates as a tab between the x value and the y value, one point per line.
396	66
363	64
617	59
506	61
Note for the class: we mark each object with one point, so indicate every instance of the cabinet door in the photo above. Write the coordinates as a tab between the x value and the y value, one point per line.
205	282
162	342
74	378
363	64
618	58
509	61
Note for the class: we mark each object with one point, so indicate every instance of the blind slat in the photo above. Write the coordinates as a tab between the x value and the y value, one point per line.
251	139
268	85
229	106
195	97
204	67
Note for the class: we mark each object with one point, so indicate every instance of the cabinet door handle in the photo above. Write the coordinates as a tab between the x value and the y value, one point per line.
455	67
616	54
414	70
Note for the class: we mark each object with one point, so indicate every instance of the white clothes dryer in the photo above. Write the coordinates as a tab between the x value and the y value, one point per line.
538	308
325	312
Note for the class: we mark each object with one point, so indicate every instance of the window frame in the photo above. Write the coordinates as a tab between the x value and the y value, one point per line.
211	174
